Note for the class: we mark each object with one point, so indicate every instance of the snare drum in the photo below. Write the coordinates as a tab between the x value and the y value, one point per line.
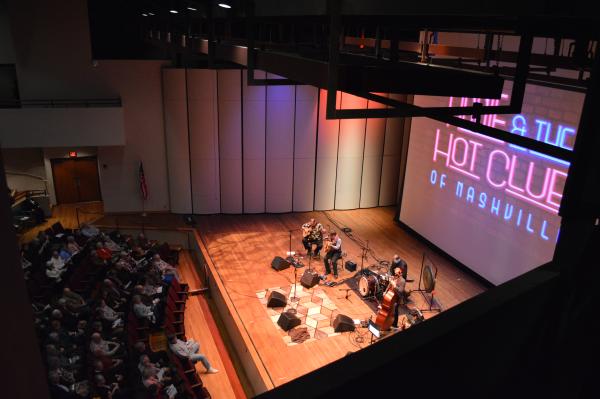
368	286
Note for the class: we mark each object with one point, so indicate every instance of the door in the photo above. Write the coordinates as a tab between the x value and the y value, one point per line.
76	180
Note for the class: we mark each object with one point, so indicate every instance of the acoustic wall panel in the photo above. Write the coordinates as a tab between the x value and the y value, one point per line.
373	159
280	147
327	151
305	142
391	158
177	143
350	155
204	141
229	93
254	144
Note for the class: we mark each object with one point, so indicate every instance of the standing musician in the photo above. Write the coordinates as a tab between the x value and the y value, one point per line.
312	233
334	252
397	283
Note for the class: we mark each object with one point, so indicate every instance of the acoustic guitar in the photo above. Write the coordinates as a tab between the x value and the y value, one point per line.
306	231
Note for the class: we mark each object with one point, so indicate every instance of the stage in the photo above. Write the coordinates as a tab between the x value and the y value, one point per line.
240	250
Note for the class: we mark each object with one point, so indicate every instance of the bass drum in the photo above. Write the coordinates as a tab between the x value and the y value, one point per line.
368	286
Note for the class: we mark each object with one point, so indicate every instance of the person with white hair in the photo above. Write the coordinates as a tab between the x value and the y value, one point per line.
72	245
189	350
164	268
88	230
143	311
108	348
55	267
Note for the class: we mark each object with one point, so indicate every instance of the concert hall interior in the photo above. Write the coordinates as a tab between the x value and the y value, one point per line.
299	199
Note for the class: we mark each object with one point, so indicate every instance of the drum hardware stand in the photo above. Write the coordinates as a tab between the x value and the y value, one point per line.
363	256
296	265
347	292
432	277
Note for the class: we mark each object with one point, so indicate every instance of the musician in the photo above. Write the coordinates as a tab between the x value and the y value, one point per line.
312	234
334	253
396	263
398	284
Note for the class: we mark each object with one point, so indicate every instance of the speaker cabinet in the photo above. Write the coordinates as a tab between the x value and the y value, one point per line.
350	266
343	323
276	300
278	263
309	279
288	320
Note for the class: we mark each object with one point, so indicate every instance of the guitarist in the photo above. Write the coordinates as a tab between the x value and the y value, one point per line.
334	253
312	233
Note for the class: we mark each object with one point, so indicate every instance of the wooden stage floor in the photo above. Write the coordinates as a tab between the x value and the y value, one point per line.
242	247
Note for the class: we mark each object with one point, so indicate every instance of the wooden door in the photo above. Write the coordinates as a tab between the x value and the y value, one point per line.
76	180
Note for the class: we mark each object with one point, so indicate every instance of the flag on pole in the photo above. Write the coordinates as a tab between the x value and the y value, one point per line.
143	187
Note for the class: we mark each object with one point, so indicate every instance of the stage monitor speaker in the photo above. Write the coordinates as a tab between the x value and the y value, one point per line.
288	320
343	323
276	300
309	279
278	263
350	266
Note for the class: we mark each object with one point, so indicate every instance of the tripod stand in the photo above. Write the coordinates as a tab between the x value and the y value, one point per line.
363	256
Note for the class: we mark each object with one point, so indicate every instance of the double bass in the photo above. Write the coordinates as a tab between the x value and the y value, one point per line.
385	315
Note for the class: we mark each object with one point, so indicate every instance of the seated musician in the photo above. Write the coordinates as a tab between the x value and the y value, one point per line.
334	253
312	233
397	283
398	262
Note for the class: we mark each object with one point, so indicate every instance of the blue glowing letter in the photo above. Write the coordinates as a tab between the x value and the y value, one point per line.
519	125
433	176
459	189
482	200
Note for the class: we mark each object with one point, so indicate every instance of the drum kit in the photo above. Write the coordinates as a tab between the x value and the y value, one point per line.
373	282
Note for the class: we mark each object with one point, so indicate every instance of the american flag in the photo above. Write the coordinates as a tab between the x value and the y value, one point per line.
143	187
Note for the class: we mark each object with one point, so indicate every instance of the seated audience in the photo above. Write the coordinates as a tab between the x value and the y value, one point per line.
164	268
89	231
189	350
72	245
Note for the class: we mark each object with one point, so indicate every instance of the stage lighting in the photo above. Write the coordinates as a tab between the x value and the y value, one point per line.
224	5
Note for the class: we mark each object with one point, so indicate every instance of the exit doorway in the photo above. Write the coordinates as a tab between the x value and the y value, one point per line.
76	180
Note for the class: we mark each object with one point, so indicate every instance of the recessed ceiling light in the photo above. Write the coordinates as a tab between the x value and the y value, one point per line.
192	9
224	5
150	13
174	11
144	14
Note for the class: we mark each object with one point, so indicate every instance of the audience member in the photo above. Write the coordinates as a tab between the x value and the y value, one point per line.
189	350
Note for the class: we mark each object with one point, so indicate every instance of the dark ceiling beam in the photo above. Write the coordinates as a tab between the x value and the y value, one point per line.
401	77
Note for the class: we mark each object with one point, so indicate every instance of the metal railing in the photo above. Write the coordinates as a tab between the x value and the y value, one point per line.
62	103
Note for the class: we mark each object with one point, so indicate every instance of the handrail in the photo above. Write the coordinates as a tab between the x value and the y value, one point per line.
8	172
62	103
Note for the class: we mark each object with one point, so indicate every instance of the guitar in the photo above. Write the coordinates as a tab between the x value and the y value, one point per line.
306	231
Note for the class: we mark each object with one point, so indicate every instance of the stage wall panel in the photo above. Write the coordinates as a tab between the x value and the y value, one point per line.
204	141
388	190
254	145
350	155
229	92
280	147
176	130
304	147
327	149
373	159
